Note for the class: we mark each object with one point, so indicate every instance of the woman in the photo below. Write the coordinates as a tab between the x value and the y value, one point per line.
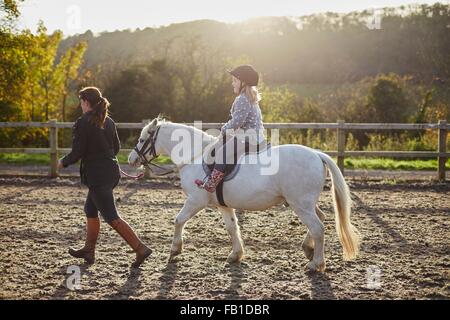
96	143
245	121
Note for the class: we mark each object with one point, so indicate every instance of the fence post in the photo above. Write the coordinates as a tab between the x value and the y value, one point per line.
53	138
341	144
442	140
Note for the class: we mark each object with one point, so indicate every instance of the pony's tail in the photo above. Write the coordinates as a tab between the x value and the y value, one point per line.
347	233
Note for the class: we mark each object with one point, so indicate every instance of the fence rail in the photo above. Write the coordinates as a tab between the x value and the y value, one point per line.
441	153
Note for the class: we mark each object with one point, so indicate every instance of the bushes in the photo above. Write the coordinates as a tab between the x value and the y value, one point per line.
404	142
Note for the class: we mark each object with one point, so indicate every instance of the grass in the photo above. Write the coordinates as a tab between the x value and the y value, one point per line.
44	159
391	164
21	158
123	159
350	163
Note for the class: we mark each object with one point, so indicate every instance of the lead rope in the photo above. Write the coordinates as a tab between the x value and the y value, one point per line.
137	177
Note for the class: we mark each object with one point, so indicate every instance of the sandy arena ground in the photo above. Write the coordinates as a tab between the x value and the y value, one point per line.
405	252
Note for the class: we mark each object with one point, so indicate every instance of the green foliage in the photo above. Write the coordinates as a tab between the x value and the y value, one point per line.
9	12
391	164
123	159
24	159
44	159
278	104
402	142
141	92
331	68
35	83
387	101
185	87
350	163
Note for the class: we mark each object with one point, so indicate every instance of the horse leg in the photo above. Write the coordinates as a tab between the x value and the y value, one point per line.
188	211
232	226
308	242
309	217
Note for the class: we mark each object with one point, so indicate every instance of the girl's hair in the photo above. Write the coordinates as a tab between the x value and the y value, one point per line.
252	94
99	105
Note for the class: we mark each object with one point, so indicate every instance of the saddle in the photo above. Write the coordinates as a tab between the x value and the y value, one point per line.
231	169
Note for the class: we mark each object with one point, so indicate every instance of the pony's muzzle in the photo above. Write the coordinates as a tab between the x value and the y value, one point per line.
133	159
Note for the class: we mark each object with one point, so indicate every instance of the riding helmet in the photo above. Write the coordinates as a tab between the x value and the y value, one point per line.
246	73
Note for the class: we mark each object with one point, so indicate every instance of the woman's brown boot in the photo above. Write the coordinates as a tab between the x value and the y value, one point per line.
88	251
127	233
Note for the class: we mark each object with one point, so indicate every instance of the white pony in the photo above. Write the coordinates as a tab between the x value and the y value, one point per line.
299	180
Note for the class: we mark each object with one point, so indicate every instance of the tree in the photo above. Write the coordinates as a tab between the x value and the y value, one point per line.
9	12
387	101
67	71
34	80
141	92
34	84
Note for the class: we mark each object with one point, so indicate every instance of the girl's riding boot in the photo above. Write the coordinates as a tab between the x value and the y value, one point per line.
213	180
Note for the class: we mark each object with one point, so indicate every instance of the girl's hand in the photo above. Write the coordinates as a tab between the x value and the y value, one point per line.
60	165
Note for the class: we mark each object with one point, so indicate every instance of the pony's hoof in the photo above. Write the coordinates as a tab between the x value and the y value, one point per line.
312	266
234	258
173	255
308	251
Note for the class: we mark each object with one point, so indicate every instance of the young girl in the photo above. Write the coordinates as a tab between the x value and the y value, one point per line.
245	120
96	143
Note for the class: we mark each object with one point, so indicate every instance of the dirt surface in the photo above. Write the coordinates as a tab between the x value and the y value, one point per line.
405	252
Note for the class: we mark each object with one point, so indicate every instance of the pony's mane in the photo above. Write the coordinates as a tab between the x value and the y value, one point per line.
161	121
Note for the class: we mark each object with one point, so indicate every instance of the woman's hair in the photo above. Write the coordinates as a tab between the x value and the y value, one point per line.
252	94
99	105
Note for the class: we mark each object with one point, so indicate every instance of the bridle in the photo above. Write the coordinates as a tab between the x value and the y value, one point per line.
149	147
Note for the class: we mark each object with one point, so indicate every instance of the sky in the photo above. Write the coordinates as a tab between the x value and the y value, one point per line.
77	16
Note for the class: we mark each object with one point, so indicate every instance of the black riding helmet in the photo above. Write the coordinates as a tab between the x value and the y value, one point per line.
246	73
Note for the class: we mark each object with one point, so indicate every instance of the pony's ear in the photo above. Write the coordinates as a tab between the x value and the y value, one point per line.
154	122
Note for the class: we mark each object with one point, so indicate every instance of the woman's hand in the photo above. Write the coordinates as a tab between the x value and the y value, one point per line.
60	165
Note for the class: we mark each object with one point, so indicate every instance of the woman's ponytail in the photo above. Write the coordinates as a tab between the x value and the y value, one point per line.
99	105
100	111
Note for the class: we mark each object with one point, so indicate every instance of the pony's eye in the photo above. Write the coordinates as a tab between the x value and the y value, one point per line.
141	140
